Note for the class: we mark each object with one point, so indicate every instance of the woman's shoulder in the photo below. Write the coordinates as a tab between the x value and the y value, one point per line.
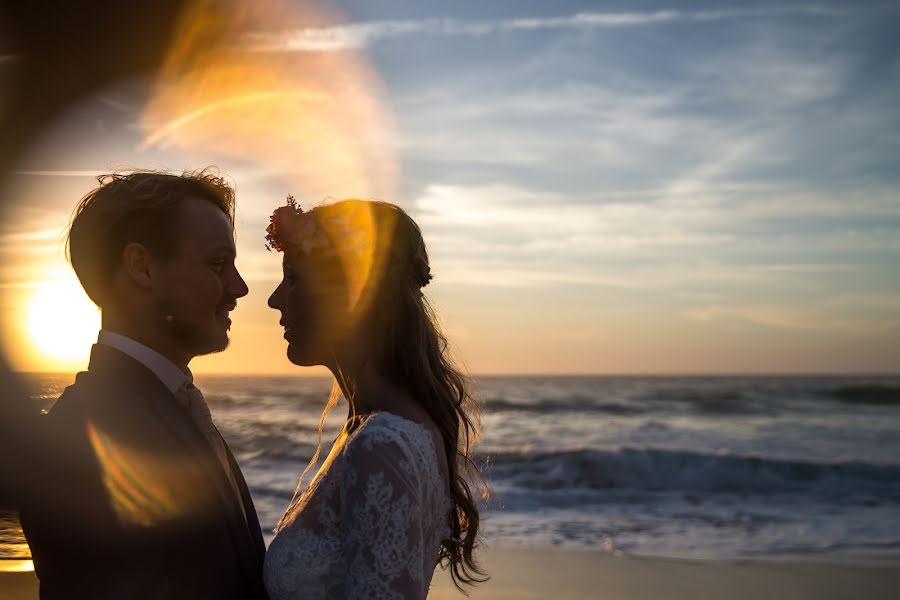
404	448
387	436
384	427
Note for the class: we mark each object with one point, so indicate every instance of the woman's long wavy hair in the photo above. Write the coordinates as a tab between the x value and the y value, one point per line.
409	350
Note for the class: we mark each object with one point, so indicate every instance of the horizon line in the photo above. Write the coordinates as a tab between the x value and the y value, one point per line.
550	374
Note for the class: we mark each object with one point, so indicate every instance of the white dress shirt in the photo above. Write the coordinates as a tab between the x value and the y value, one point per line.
167	372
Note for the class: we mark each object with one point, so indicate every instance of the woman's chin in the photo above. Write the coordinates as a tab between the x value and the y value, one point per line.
299	357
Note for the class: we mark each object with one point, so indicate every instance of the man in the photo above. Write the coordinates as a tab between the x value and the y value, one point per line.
151	502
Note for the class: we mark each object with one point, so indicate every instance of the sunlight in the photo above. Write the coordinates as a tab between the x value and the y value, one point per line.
16	566
62	321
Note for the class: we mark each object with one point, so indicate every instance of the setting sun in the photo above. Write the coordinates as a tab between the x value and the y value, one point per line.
62	322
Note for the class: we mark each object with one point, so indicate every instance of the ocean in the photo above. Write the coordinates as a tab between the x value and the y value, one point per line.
686	467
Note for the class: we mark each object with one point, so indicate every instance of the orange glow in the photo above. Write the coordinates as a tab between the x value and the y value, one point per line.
313	118
134	495
358	228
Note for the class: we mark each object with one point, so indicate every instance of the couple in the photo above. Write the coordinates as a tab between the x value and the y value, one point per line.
155	505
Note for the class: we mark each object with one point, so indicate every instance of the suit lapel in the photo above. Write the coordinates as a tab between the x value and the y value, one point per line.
179	423
253	527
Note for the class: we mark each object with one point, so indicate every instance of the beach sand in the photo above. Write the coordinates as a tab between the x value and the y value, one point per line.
543	574
18	585
575	575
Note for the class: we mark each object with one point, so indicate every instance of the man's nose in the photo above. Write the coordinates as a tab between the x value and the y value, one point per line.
238	286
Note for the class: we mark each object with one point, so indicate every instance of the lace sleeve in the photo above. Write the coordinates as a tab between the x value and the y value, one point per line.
381	520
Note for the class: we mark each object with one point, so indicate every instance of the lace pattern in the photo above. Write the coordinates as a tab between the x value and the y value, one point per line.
370	523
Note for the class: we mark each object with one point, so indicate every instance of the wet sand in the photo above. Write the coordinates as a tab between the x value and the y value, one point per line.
544	574
18	585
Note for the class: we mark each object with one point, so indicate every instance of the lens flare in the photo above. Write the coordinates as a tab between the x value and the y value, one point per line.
313	118
232	86
135	497
147	487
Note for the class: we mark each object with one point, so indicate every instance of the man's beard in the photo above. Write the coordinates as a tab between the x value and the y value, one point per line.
194	339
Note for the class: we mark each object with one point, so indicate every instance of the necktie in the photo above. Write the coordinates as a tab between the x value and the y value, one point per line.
193	400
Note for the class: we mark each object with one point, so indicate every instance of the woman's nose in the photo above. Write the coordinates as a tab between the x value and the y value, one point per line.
275	298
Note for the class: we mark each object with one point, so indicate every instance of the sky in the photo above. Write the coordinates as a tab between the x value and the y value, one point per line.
621	187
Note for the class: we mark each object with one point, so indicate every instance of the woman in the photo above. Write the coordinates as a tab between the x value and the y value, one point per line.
390	501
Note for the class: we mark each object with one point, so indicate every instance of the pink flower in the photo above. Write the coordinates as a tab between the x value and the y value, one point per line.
283	225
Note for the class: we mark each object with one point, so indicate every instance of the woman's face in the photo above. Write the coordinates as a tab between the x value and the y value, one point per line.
313	311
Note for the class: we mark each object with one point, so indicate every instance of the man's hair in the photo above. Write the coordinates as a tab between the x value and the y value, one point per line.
135	206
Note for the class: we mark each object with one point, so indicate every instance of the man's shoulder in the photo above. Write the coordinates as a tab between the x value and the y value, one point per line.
80	398
102	392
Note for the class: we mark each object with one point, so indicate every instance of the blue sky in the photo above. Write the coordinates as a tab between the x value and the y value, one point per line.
604	187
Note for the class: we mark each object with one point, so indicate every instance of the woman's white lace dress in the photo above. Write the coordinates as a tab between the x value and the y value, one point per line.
369	525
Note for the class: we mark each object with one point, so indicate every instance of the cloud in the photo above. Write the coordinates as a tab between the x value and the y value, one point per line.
359	35
573	124
702	213
817	317
749	111
478	273
505	235
497	272
29	237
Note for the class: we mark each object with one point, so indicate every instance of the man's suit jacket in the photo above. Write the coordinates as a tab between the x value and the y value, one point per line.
144	508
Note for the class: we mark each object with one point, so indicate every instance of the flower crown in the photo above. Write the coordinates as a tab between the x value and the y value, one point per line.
289	225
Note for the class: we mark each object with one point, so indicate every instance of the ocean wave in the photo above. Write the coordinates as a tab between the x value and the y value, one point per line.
726	402
735	401
651	469
871	394
267	398
581	404
279	441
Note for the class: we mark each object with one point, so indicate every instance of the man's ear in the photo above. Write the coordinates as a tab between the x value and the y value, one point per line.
136	263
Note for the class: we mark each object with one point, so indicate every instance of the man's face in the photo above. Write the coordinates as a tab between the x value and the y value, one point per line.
198	287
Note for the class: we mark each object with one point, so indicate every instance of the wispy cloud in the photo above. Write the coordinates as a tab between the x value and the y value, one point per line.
701	214
495	272
820	317
506	235
359	35
53	234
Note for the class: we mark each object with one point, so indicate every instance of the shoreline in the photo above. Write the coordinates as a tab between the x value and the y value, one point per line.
540	573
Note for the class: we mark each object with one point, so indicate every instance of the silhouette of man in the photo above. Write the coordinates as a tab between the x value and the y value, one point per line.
152	502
